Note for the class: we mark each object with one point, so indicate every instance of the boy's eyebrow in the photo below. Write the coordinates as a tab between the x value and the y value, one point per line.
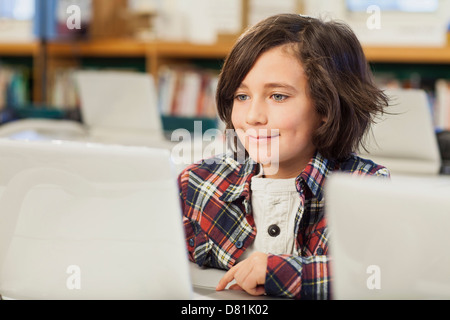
272	85
280	85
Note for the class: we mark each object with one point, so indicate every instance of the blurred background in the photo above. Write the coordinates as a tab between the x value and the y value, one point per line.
182	44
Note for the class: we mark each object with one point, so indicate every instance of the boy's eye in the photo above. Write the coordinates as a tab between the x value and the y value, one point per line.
242	97
279	97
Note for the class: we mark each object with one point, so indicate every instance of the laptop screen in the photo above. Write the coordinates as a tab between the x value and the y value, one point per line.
389	238
90	221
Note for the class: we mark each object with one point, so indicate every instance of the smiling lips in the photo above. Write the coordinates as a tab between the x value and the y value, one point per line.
262	138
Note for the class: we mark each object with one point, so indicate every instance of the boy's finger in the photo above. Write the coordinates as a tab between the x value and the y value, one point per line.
226	279
235	286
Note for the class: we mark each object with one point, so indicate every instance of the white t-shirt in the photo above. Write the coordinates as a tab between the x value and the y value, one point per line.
275	203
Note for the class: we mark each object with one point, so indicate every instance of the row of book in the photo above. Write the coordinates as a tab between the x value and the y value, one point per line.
187	92
14	87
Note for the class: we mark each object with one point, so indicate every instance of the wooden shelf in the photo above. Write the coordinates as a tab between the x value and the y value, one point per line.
19	49
128	47
408	54
100	48
189	50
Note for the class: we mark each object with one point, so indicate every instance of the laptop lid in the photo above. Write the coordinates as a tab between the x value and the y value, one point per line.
389	239
404	140
90	221
119	102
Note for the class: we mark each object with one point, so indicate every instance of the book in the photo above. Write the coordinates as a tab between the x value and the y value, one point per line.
442	105
14	87
185	91
63	93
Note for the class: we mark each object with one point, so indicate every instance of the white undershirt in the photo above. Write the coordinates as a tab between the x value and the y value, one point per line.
274	202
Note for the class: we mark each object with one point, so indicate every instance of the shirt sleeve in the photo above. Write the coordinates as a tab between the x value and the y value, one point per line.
382	173
296	277
197	241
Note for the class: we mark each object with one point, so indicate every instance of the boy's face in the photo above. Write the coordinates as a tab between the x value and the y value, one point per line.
273	115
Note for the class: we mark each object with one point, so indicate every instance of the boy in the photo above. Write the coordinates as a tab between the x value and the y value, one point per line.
298	94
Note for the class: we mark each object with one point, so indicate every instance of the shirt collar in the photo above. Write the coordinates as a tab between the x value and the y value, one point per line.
313	176
240	187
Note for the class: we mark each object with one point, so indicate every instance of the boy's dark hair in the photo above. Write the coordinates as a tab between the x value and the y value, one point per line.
340	81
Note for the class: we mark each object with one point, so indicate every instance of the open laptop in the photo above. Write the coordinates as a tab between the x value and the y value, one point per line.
90	221
93	221
389	238
120	107
404	140
117	107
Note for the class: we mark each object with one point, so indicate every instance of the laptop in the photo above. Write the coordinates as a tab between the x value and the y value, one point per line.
117	107
389	238
90	221
404	140
120	107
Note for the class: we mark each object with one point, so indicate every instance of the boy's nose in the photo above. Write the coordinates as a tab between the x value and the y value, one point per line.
257	114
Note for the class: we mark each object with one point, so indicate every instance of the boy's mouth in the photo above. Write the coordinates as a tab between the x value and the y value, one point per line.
262	138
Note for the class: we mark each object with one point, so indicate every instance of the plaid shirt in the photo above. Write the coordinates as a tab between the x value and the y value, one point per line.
219	225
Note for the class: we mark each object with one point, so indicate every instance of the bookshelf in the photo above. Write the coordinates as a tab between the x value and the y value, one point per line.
109	42
159	52
156	53
153	55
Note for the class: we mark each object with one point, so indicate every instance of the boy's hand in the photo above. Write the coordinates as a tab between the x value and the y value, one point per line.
250	275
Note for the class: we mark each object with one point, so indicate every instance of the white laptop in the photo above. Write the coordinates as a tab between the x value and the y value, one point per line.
90	221
389	238
404	140
117	107
121	107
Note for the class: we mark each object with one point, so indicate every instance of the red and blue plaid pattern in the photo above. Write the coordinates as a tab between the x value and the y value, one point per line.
215	196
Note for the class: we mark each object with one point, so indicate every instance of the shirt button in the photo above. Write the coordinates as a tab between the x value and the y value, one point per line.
319	251
191	242
273	230
239	244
